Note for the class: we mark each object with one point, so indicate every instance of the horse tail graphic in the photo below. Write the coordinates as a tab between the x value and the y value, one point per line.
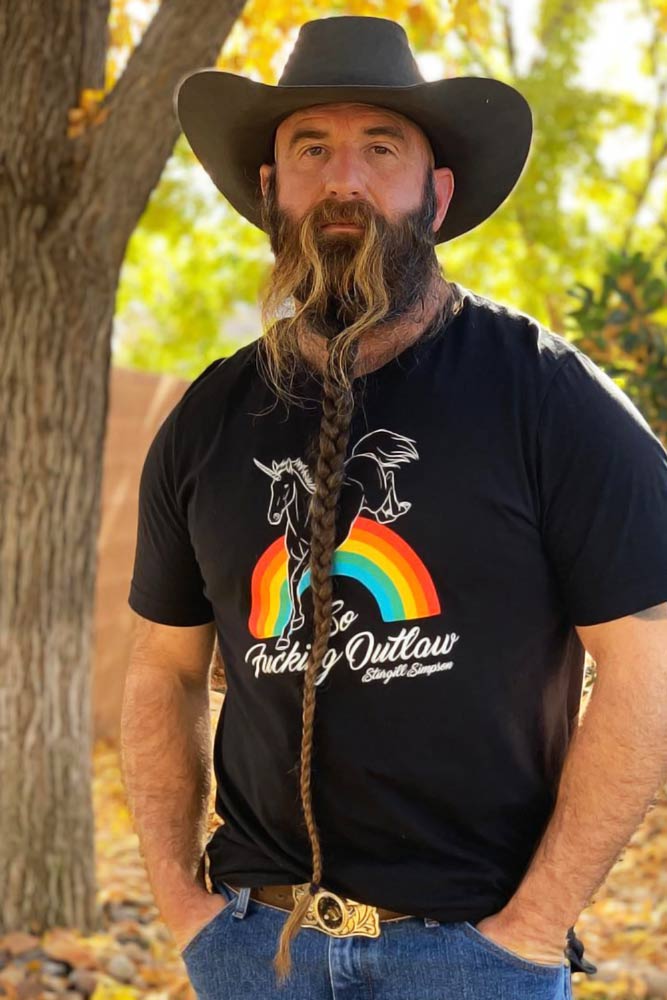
386	447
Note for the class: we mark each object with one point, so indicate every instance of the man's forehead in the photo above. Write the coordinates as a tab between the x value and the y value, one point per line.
319	113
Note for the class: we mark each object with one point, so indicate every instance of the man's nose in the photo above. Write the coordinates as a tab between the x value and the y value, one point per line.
343	177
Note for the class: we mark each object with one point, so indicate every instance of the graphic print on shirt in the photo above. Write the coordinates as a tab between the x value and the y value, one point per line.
365	549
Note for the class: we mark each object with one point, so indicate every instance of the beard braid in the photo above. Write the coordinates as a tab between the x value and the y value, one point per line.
341	284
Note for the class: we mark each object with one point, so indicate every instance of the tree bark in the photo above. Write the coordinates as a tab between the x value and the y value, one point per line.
67	209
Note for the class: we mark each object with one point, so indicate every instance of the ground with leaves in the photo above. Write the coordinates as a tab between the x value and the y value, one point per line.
624	930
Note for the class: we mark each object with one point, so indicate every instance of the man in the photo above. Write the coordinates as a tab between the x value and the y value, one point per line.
402	570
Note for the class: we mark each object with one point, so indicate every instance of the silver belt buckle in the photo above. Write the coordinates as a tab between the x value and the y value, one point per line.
338	916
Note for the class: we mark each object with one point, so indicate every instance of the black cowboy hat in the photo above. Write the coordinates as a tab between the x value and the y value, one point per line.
479	127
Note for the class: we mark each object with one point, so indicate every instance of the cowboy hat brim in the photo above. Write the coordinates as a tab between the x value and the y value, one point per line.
479	127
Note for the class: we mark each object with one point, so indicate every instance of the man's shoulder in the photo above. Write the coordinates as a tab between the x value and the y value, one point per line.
203	400
216	376
519	333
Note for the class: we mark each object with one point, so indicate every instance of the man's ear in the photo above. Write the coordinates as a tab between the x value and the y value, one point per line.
265	172
443	179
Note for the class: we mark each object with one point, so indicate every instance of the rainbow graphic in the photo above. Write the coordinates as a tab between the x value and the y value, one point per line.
372	553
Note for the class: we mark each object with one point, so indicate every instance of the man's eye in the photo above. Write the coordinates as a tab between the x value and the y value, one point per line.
385	149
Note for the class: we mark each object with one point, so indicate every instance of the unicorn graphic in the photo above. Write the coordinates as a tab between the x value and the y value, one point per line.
368	486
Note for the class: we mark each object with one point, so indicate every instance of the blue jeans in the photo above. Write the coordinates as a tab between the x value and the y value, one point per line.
414	958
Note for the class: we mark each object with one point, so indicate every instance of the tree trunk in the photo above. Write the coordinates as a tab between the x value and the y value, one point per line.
69	201
54	388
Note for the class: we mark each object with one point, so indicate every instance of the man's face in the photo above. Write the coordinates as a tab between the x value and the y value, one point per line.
350	152
351	206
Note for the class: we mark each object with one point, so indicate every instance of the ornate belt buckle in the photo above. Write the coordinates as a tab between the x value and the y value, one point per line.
338	916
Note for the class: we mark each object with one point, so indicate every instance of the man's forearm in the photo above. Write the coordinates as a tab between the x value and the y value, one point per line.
616	762
165	757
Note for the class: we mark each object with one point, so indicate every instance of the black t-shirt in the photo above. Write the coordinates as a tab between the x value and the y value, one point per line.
500	489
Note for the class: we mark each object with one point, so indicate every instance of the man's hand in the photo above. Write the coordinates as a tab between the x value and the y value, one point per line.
199	911
545	944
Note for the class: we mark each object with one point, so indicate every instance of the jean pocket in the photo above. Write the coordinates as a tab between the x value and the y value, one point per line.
202	933
501	952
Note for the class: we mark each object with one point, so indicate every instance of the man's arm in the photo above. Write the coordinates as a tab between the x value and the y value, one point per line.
616	762
165	761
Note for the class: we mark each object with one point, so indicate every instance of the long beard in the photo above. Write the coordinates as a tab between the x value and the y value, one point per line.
341	284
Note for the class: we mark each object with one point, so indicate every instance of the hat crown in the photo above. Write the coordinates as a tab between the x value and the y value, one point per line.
349	50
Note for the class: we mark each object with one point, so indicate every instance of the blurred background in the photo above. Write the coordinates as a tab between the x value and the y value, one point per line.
125	273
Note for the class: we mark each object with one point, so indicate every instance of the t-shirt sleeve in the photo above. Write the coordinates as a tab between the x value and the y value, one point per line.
167	585
602	480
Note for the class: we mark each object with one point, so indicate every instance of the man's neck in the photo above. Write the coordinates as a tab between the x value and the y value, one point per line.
377	348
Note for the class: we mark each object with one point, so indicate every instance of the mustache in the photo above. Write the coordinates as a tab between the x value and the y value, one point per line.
352	212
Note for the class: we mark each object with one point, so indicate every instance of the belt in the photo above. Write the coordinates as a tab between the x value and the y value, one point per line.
329	912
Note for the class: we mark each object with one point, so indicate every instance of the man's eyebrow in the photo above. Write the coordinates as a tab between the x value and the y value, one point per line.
394	131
